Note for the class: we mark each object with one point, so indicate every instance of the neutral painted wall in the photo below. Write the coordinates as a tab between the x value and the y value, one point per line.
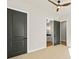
66	16
36	22
69	32
63	31
38	11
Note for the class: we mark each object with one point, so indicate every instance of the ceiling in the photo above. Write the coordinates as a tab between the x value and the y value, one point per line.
64	12
62	1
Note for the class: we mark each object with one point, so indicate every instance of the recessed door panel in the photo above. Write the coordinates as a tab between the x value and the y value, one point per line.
19	32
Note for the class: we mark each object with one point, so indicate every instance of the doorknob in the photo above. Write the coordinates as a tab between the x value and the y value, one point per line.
54	35
25	38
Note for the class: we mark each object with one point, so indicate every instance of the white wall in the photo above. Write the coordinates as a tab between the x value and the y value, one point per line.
69	32
63	31
36	22
68	29
38	11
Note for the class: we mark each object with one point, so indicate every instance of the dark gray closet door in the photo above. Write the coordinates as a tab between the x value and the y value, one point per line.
19	42
16	33
56	32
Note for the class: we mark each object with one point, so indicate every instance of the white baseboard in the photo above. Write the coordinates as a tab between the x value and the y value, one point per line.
36	49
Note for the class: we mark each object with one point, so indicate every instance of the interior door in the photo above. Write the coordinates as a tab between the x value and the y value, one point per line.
56	32
19	33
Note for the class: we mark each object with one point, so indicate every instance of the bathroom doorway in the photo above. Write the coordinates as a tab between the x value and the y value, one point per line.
56	33
49	33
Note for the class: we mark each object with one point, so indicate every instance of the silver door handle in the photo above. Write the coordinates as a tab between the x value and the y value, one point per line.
25	38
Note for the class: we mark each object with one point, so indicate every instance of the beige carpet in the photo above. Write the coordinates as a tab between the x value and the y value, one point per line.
56	52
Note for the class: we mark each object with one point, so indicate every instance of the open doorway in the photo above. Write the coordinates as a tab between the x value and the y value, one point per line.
49	30
56	33
53	32
63	32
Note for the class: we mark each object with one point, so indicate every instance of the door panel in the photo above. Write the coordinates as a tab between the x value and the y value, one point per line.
56	32
18	28
19	33
18	24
